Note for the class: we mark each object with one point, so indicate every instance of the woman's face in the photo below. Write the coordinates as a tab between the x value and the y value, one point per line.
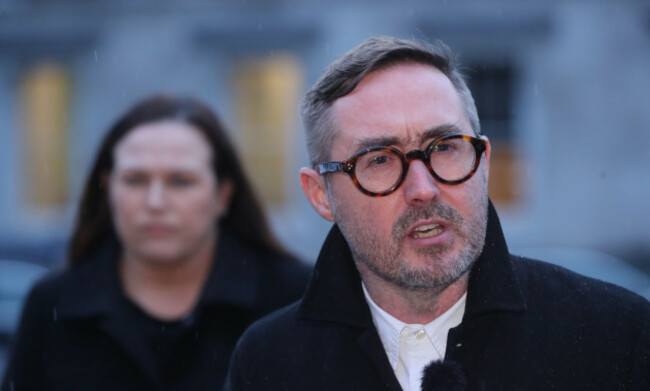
163	193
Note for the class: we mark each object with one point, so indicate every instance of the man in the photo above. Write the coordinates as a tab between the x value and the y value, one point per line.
415	269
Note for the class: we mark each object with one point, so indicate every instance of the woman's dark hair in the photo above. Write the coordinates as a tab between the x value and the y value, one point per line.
94	226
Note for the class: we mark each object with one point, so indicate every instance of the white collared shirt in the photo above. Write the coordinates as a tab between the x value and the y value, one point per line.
410	347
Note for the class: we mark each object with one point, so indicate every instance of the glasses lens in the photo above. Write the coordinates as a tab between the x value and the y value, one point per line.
453	159
379	170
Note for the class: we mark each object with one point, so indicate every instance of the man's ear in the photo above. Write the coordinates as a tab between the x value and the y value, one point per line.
488	152
313	185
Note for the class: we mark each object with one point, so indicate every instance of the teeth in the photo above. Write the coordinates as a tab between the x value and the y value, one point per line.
427	231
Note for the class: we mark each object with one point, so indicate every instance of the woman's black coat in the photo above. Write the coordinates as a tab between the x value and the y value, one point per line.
76	332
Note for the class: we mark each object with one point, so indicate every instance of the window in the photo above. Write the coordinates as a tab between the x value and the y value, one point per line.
492	88
267	94
44	106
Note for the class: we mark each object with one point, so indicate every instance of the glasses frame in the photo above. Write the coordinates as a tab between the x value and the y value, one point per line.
348	166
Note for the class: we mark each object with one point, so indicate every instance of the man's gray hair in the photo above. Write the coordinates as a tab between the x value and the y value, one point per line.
376	53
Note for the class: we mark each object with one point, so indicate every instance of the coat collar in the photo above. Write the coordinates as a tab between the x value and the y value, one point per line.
235	276
93	291
335	294
94	288
493	285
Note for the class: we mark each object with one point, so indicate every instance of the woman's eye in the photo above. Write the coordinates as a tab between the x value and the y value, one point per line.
180	181
134	180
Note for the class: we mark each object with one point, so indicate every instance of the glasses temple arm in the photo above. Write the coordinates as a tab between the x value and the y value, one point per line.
324	168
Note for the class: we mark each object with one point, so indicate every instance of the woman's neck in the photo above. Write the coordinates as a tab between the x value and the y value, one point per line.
170	290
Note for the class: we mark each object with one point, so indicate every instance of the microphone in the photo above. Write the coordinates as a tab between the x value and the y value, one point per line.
443	376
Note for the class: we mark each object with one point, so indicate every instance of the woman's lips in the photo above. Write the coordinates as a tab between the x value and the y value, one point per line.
157	229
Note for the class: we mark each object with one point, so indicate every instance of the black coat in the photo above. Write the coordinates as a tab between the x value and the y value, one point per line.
527	326
77	333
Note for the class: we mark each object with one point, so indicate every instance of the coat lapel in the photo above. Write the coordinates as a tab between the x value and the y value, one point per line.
492	283
121	330
235	276
95	295
493	293
370	344
335	295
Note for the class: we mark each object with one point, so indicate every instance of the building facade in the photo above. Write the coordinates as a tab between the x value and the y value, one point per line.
563	89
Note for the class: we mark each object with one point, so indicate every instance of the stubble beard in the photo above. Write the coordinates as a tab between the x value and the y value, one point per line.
442	266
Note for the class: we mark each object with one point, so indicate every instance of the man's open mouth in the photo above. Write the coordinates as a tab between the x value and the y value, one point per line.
426	231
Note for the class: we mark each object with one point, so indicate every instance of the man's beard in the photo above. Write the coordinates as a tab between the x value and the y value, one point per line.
441	268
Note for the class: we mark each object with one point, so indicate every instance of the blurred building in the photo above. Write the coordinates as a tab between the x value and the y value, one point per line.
563	89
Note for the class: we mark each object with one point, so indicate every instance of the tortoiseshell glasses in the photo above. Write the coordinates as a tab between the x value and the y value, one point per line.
380	170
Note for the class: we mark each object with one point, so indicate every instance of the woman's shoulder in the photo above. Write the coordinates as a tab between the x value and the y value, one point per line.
79	286
51	284
44	295
279	263
289	268
282	277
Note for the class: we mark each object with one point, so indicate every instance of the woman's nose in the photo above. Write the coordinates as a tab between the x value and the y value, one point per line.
155	195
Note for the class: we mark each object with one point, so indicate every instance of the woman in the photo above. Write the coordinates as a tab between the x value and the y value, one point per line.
170	260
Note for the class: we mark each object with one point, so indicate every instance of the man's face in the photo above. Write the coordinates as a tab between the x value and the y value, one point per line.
426	234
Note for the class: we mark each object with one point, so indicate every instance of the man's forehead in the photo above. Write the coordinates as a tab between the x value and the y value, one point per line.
402	104
400	72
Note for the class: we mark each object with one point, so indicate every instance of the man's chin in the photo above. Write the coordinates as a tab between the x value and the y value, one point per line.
428	260
431	273
425	281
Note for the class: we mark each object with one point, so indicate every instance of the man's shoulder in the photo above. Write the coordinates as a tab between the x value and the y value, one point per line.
293	350
275	326
296	334
548	284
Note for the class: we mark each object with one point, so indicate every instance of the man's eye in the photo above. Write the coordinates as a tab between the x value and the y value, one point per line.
443	147
379	160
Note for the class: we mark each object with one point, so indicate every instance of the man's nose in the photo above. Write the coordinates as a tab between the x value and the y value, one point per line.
419	185
155	195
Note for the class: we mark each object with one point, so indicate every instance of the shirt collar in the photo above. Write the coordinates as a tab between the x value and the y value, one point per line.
390	328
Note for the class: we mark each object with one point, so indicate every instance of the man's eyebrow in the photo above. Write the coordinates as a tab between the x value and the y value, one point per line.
432	133
439	131
373	142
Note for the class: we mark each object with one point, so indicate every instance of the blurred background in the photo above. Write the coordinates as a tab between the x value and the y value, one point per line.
562	88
